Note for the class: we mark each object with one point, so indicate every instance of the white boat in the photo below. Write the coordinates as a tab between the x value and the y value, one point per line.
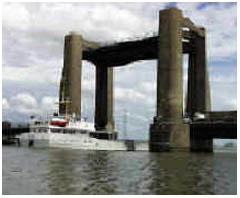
72	133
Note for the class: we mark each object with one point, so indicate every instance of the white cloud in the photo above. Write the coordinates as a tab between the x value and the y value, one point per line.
148	87
224	96
27	104
96	21
128	95
20	16
24	103
48	102
5	104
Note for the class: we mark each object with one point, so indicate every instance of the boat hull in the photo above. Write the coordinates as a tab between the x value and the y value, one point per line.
71	141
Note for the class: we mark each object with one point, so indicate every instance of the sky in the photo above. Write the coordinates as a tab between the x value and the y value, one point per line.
32	57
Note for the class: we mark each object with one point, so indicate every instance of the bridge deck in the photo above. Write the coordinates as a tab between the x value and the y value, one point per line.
216	125
210	130
123	53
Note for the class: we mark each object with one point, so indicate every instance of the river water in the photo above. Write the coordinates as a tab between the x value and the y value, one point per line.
62	171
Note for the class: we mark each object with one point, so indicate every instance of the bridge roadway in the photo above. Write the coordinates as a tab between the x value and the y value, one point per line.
211	130
218	125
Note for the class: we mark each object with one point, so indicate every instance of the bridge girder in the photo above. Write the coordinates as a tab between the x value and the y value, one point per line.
123	53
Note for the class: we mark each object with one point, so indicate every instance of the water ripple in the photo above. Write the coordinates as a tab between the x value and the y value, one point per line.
60	171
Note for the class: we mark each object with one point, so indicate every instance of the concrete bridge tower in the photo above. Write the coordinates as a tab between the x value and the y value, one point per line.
70	85
168	130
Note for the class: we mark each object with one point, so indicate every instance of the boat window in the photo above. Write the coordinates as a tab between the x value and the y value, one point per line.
71	131
55	114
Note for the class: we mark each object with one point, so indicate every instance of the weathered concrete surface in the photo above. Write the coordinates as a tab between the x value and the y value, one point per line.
104	98
198	97
89	45
169	73
187	23
169	136
70	86
201	145
168	126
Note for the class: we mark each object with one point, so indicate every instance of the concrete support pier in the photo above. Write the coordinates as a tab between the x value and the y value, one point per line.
104	98
168	131
200	143
198	98
70	86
